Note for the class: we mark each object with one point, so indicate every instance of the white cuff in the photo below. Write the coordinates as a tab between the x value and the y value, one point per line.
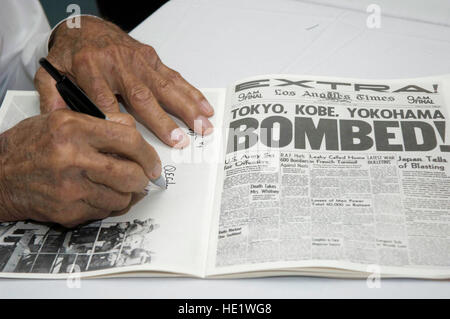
31	54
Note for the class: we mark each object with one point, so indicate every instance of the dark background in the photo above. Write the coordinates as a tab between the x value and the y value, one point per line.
127	14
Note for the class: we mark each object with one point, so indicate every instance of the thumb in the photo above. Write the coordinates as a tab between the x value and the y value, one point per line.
50	100
121	118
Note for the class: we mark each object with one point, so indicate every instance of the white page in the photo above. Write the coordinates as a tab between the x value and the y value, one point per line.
178	219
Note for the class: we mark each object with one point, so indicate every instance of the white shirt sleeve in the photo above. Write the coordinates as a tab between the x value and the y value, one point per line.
24	32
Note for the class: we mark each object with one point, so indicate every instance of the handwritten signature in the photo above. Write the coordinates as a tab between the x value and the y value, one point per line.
169	174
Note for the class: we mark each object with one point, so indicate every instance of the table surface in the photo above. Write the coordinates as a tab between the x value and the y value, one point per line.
213	43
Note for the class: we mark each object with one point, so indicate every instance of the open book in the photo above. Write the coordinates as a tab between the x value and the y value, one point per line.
303	175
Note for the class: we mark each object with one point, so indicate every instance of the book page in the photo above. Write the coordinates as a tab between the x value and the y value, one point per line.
166	233
326	173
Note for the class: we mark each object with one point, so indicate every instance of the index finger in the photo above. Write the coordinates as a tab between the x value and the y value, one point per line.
50	99
123	140
189	90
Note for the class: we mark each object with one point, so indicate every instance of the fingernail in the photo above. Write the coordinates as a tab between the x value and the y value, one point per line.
179	138
156	172
205	124
206	108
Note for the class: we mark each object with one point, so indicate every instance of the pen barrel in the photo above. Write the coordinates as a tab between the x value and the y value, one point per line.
51	69
76	99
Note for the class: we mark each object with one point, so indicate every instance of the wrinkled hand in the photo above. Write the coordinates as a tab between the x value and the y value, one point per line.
105	61
57	168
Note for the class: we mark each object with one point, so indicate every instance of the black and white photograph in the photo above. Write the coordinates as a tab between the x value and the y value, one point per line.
28	247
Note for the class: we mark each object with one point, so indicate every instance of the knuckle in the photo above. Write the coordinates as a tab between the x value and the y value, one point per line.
197	95
129	119
139	93
67	185
61	158
149	50
175	75
151	56
110	166
165	84
61	121
105	99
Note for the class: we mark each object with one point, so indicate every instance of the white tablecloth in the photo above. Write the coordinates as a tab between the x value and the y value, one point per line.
213	43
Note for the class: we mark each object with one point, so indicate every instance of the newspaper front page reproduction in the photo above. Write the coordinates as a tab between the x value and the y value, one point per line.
341	170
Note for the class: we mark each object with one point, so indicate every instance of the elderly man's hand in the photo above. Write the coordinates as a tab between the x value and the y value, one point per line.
105	62
58	168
